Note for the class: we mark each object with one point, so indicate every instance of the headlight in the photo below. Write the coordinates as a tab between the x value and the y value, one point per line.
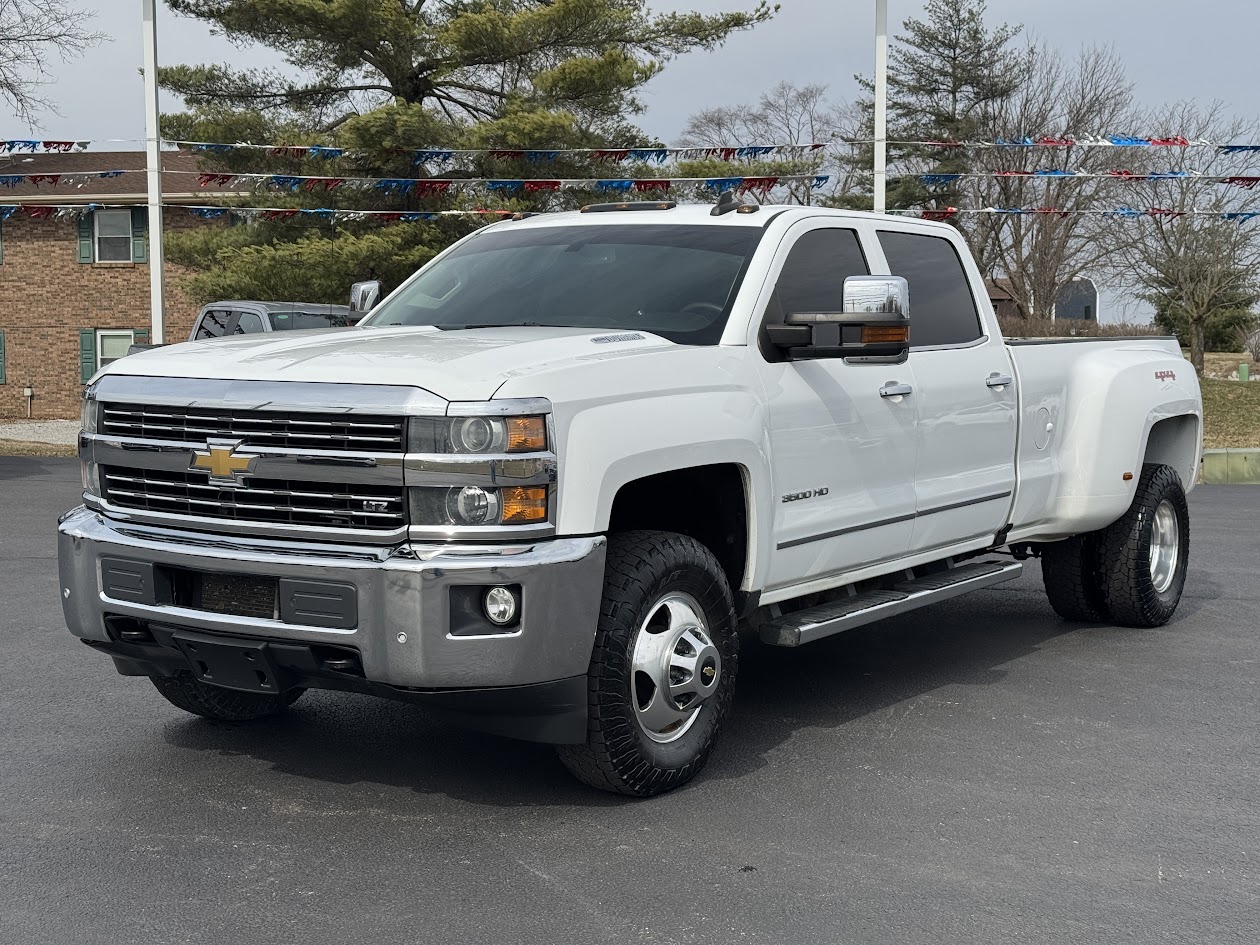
472	505
91	410
476	435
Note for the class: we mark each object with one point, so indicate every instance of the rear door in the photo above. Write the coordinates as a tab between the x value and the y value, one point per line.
965	389
842	454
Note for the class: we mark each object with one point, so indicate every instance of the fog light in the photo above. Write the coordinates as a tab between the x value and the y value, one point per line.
500	606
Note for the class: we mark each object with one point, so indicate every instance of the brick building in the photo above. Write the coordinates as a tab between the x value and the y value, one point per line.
74	293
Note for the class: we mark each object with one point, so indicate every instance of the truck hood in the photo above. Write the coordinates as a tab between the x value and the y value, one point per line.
468	364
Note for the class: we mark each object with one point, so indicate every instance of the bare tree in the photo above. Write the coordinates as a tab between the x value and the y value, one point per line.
31	32
1040	252
1199	245
785	114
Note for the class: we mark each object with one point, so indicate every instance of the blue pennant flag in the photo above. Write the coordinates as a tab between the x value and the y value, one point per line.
1054	173
937	180
1241	217
7	210
395	185
11	180
655	155
754	151
504	184
285	181
319	214
1124	212
541	157
415	217
820	180
614	185
722	184
1239	148
208	213
214	148
431	156
1128	141
319	151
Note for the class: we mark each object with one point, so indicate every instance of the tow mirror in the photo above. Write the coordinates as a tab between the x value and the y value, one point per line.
875	323
364	295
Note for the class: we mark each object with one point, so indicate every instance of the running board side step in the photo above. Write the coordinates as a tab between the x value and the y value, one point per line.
814	623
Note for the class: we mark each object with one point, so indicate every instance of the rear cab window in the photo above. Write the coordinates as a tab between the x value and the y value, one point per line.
942	307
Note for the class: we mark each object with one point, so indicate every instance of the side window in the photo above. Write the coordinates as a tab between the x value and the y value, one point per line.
248	323
942	308
813	274
214	324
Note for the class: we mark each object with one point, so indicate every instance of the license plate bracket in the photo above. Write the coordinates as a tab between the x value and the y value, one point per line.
231	662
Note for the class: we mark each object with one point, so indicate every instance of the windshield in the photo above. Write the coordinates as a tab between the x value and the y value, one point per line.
675	281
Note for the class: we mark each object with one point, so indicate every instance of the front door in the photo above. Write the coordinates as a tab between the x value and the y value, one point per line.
842	453
965	388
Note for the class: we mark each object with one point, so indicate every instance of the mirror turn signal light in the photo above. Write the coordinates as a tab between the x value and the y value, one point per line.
526	434
523	504
879	334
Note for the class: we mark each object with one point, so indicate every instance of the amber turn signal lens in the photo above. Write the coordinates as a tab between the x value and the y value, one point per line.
873	334
523	505
526	434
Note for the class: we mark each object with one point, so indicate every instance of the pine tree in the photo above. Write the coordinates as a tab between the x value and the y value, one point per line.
385	78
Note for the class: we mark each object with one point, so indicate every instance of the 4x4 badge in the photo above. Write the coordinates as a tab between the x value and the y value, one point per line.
221	461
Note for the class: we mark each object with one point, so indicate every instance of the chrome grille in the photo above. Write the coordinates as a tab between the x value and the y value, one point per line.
257	428
284	502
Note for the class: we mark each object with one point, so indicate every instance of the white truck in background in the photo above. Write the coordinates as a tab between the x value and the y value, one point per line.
541	485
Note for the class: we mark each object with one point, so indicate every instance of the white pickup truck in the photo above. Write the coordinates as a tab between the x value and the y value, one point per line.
542	486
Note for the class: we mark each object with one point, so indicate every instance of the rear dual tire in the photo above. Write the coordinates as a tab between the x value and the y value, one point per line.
1132	572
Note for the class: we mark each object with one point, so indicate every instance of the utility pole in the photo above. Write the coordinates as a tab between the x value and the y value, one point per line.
881	104
153	162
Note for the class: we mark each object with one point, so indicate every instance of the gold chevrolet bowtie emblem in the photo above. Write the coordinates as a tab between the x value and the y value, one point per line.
223	464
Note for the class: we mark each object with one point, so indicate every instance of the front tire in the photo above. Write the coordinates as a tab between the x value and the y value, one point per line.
1143	557
663	667
187	692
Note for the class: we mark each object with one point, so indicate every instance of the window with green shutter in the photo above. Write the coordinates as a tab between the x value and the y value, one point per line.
86	253
87	353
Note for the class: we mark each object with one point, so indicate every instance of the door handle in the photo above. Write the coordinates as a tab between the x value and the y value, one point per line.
999	380
893	389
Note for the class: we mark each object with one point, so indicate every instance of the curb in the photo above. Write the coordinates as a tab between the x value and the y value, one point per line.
1233	466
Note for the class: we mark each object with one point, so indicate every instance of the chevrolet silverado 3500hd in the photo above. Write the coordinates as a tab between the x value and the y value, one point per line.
542	483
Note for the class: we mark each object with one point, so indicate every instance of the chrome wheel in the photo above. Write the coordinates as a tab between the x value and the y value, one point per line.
1165	546
675	667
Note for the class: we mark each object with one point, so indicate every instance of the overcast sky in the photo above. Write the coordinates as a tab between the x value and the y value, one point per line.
1171	52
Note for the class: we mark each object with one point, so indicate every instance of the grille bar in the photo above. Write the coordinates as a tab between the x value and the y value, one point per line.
283	502
276	429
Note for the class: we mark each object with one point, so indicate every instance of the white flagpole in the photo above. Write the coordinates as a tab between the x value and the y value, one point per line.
881	104
153	159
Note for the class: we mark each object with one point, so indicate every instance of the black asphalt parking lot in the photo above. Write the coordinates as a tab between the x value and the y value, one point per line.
978	772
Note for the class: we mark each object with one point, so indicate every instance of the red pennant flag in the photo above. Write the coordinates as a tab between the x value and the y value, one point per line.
646	185
537	185
432	186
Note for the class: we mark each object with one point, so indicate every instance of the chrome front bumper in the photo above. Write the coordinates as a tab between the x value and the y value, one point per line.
404	612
